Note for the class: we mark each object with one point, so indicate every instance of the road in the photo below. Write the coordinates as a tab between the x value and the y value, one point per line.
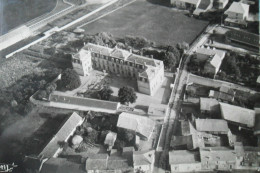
178	91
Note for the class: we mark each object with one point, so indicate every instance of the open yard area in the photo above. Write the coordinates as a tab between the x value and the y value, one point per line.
97	79
143	18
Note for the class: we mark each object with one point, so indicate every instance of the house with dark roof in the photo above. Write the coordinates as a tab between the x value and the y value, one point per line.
141	125
213	126
52	149
184	161
242	38
237	14
148	72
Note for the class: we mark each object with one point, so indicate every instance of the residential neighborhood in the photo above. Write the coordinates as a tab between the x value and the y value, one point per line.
142	86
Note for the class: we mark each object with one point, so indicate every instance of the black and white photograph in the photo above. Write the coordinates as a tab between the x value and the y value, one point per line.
129	86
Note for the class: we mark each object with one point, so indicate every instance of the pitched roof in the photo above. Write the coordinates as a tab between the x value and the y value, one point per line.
183	157
140	124
237	114
221	95
238	7
207	103
117	162
67	128
149	72
210	52
98	49
97	162
217	154
157	109
243	37
258	79
191	141
187	128
142	60
79	101
216	61
211	125
143	157
110	138
60	165
195	2
120	53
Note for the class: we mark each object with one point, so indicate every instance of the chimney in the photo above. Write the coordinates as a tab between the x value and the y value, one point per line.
106	45
152	56
84	43
130	50
77	49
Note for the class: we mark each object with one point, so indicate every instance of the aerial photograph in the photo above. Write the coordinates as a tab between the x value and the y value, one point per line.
129	86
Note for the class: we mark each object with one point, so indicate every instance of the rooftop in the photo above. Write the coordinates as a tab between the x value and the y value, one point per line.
217	154
191	141
221	95
211	125
61	165
120	53
210	52
244	37
183	157
195	2
79	101
97	162
238	7
157	109
143	157
110	138
140	124
238	114
98	49
68	127
207	103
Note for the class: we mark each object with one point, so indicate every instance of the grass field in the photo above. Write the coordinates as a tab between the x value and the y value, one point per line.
158	23
17	12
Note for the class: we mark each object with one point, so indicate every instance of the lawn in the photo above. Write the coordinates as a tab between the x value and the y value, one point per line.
155	22
17	12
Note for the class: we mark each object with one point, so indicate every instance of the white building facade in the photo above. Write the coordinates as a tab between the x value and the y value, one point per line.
148	72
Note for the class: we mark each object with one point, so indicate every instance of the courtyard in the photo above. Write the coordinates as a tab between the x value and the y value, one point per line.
97	79
139	20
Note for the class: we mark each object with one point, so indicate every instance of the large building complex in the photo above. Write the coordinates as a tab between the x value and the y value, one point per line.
148	72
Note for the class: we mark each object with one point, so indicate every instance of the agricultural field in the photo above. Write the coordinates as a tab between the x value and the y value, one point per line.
16	12
139	20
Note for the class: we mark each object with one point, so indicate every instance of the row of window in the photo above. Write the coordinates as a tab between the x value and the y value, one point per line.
116	60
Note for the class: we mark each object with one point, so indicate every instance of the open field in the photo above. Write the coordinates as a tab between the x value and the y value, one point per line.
139	20
18	12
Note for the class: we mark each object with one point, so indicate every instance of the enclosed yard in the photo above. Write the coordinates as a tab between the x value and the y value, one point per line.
158	23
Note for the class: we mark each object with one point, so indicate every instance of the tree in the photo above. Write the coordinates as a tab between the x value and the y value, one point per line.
41	95
105	93
126	95
70	79
169	60
51	87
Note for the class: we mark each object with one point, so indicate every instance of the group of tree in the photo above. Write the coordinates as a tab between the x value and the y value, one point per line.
127	95
70	80
105	93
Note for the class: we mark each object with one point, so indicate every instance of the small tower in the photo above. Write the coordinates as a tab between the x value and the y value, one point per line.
82	63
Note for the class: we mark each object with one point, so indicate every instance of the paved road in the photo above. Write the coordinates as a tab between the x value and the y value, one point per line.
177	92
